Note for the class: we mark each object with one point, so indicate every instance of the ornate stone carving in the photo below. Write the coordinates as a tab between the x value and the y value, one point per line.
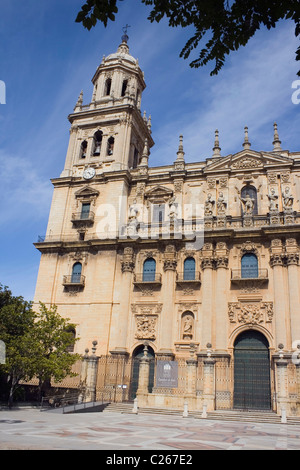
276	259
208	206
211	183
246	163
221	261
221	205
207	262
146	327
187	321
223	182
128	260
170	262
287	200
292	258
272	178
248	247
170	265
146	316
273	201
250	313
285	176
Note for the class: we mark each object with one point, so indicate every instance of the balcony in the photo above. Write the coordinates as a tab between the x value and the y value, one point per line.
257	275
83	218
188	278
151	279
74	280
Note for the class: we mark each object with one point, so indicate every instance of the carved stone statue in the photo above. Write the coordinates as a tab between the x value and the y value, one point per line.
133	211
287	200
187	331
221	205
248	204
273	201
172	209
208	208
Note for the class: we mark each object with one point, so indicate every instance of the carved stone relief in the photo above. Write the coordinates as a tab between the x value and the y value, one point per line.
253	313
146	316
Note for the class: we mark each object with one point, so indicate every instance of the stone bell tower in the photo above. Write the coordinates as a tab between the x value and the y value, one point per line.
109	133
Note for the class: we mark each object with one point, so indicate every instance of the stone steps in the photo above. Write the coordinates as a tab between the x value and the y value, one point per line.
221	415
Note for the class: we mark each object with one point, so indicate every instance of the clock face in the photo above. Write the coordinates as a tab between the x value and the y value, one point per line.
89	173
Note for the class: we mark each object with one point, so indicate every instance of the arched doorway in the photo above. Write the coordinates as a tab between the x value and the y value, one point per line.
137	354
252	388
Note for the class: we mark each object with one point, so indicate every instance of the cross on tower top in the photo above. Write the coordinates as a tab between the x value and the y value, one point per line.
125	36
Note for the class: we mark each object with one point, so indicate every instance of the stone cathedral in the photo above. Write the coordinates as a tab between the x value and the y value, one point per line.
190	268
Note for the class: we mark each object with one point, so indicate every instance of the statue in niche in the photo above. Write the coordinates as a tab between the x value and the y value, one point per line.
209	205
172	208
187	328
273	207
248	204
221	205
133	211
287	200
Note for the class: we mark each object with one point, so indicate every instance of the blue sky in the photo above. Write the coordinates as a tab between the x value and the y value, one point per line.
47	59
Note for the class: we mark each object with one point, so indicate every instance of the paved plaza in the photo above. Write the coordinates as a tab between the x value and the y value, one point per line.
31	429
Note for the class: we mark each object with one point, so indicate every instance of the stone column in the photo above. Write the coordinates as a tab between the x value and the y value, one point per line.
120	327
292	261
209	395
221	317
298	382
168	292
276	262
91	375
282	385
83	374
143	381
207	293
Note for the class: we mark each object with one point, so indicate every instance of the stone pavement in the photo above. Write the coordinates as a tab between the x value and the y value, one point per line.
31	429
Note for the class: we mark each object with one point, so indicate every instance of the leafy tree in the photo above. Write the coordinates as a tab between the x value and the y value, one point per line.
16	324
228	24
36	342
52	336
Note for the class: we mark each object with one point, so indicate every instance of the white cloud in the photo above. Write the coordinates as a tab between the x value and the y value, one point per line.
25	196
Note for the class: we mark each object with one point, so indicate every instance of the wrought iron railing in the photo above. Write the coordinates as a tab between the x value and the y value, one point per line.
147	277
192	276
83	216
239	274
74	280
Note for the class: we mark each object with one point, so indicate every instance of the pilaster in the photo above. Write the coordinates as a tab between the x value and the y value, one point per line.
168	293
276	263
221	317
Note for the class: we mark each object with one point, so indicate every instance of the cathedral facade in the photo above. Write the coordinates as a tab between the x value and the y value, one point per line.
191	267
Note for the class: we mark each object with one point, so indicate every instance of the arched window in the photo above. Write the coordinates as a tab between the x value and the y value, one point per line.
124	87
110	146
250	191
149	270
76	273
97	143
189	269
107	87
249	266
83	148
